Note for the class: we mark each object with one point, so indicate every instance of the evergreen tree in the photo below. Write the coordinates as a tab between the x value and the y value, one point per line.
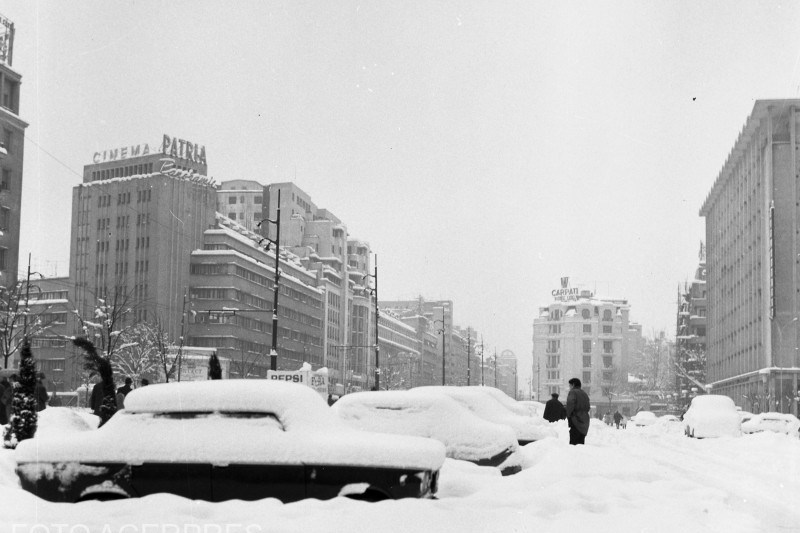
96	364
24	414
214	368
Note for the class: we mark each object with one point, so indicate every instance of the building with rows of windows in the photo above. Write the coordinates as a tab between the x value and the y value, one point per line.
752	215
12	132
580	335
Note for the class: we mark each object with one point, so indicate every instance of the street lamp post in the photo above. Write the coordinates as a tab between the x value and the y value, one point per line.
469	347
273	353
444	360
374	292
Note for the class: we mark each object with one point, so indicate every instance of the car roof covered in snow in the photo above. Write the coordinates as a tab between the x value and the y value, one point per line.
426	414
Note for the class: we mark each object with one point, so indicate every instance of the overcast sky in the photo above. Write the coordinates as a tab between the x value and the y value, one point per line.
483	149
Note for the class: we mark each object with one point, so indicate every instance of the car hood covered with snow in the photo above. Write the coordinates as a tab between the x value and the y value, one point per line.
226	422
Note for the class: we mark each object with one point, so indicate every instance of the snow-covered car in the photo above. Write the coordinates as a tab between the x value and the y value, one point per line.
60	421
484	404
221	440
745	415
534	408
434	415
643	418
712	415
775	422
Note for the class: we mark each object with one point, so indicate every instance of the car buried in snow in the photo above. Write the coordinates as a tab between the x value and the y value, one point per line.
712	415
432	414
221	440
484	403
787	424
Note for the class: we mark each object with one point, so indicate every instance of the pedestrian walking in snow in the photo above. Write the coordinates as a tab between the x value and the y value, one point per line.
617	417
125	389
577	412
554	410
41	392
5	385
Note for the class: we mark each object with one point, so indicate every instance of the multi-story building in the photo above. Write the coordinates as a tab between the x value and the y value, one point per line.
579	335
507	373
136	218
752	214
242	201
231	299
12	132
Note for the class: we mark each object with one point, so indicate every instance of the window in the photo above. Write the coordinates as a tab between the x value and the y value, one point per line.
608	346
555	314
587	328
555	329
5	184
585	314
3	258
607	329
553	361
608	375
587	346
232	216
607	315
7	140
553	374
257	200
587	377
553	346
231	199
587	361
5	218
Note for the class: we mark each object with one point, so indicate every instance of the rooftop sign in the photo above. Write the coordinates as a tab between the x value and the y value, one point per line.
565	293
6	40
170	146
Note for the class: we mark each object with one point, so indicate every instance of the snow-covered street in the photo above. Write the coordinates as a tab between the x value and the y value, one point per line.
645	479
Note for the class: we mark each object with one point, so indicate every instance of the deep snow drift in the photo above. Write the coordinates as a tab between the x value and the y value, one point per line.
646	479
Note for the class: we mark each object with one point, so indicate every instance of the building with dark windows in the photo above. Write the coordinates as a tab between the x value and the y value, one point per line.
752	214
690	337
242	201
12	132
231	299
580	335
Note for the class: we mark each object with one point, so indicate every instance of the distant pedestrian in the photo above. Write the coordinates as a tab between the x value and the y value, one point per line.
145	382
96	402
331	401
554	410
125	389
40	392
577	412
5	385
617	417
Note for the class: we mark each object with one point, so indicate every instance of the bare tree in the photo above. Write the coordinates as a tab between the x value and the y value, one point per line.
111	318
139	354
16	318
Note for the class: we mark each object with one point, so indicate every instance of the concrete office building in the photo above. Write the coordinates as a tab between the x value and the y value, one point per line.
752	257
12	132
690	338
242	201
580	335
136	218
231	299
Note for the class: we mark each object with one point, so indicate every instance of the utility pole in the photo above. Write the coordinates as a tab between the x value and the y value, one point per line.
377	347
273	353
495	367
469	340
442	330
180	346
481	360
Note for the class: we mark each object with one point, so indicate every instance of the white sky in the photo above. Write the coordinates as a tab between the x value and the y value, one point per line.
483	149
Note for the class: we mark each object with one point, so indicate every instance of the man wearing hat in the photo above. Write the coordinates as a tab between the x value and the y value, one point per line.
554	410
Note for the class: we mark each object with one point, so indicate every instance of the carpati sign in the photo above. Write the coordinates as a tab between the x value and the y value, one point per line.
171	146
565	292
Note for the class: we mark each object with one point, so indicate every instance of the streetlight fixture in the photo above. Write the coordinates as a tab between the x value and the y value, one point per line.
374	292
273	353
442	330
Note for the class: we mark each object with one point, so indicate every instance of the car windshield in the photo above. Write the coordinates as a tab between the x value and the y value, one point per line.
268	420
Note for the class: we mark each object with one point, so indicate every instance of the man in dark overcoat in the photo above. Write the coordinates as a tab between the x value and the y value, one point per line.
554	410
577	412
